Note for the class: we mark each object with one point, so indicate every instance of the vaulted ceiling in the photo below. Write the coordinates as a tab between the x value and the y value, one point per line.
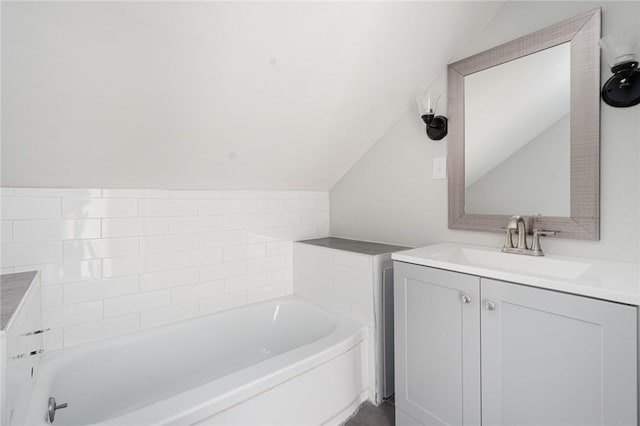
212	95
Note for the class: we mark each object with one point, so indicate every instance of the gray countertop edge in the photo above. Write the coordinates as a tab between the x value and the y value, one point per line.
17	307
366	248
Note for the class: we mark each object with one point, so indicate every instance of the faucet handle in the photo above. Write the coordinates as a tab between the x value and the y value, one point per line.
51	415
536	250
544	232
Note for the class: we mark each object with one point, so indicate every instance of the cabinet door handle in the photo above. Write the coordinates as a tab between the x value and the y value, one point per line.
490	306
466	298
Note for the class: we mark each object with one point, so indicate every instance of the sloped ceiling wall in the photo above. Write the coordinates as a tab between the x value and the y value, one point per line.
213	95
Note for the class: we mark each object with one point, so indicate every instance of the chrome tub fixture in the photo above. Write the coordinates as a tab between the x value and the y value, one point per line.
53	407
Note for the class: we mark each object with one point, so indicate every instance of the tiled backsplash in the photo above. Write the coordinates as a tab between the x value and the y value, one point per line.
114	261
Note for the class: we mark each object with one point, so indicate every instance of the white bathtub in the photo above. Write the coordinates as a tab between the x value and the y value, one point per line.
283	361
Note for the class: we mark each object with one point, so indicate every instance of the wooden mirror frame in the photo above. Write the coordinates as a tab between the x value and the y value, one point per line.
583	32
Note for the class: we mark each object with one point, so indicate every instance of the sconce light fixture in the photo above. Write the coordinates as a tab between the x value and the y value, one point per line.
622	50
436	124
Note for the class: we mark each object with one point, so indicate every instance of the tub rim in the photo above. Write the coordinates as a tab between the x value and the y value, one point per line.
209	398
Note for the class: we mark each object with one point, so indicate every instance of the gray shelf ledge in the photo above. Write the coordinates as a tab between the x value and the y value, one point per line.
354	246
13	288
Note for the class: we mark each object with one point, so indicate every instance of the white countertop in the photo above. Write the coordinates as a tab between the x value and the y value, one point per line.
601	279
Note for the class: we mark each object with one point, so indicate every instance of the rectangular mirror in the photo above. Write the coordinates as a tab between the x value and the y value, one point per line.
524	132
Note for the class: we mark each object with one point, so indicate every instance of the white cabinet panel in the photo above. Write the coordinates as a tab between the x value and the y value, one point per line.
403	419
551	358
437	345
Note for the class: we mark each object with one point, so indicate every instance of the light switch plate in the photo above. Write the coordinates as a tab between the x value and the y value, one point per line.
439	167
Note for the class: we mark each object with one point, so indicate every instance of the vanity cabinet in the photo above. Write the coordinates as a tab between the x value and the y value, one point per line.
472	351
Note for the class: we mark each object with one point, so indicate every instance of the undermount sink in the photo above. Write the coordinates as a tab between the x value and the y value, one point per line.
599	278
493	259
527	264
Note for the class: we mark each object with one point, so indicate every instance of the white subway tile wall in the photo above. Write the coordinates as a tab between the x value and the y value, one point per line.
336	279
115	261
339	281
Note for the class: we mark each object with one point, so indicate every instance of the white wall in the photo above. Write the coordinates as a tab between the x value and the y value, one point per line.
118	261
389	195
212	95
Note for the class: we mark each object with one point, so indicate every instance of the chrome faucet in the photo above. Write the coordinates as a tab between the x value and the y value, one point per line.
51	414
519	224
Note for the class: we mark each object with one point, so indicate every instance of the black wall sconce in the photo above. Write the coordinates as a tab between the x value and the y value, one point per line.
621	48
436	124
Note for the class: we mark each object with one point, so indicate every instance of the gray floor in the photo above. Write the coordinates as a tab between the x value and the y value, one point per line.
370	415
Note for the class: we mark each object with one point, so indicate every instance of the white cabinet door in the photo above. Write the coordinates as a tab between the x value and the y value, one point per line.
551	358
437	342
403	419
